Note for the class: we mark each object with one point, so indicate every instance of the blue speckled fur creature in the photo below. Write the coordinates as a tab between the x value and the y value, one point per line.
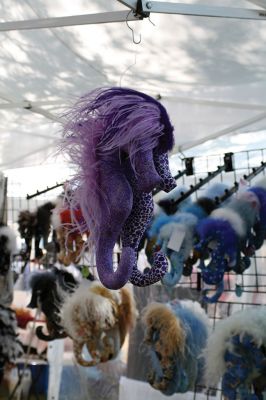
174	348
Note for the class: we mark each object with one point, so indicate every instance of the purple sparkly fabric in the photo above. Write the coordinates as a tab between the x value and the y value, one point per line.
136	225
118	138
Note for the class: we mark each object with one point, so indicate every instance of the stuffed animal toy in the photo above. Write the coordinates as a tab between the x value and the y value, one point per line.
98	318
223	235
175	334
26	226
176	233
69	237
35	224
183	227
259	229
119	139
10	347
7	248
236	352
48	292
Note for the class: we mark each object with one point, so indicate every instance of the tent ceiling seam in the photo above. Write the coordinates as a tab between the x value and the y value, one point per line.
223	132
67	45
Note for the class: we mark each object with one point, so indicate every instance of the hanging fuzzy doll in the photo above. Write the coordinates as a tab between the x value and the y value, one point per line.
98	318
70	238
35	225
26	228
7	248
10	347
258	235
236	352
223	236
119	138
175	333
176	233
161	214
49	289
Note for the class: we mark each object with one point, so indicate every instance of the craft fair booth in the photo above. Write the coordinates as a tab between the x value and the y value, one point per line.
205	65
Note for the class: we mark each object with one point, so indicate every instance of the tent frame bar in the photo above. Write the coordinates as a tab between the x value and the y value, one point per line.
222	132
28	105
74	20
165	7
141	9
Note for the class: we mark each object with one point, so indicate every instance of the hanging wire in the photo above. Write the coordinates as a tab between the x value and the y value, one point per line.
127	69
132	30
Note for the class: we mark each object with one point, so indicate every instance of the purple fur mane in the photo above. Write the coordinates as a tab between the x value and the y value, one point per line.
104	130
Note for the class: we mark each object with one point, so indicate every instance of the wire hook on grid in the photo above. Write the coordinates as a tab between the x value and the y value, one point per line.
132	30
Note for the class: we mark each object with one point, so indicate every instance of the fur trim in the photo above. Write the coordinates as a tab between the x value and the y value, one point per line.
127	313
232	217
196	210
99	318
176	333
89	306
251	321
250	198
157	316
196	309
10	347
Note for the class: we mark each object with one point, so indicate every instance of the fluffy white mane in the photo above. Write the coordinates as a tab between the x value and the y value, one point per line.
90	307
250	321
196	308
232	217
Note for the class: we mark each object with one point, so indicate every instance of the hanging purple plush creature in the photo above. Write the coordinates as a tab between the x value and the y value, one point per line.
119	138
224	235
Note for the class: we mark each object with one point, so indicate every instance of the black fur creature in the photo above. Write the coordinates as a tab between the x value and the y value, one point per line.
7	248
35	224
10	347
48	289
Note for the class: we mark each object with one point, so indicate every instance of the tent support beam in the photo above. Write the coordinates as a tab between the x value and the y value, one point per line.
198	10
13	162
260	3
222	132
87	19
28	106
145	6
212	103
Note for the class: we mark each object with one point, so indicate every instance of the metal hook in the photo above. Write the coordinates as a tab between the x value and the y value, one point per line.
132	31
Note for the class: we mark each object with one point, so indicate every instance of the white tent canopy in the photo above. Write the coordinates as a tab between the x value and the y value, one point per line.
209	72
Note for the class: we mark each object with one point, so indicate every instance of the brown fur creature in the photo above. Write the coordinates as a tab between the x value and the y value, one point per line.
100	319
